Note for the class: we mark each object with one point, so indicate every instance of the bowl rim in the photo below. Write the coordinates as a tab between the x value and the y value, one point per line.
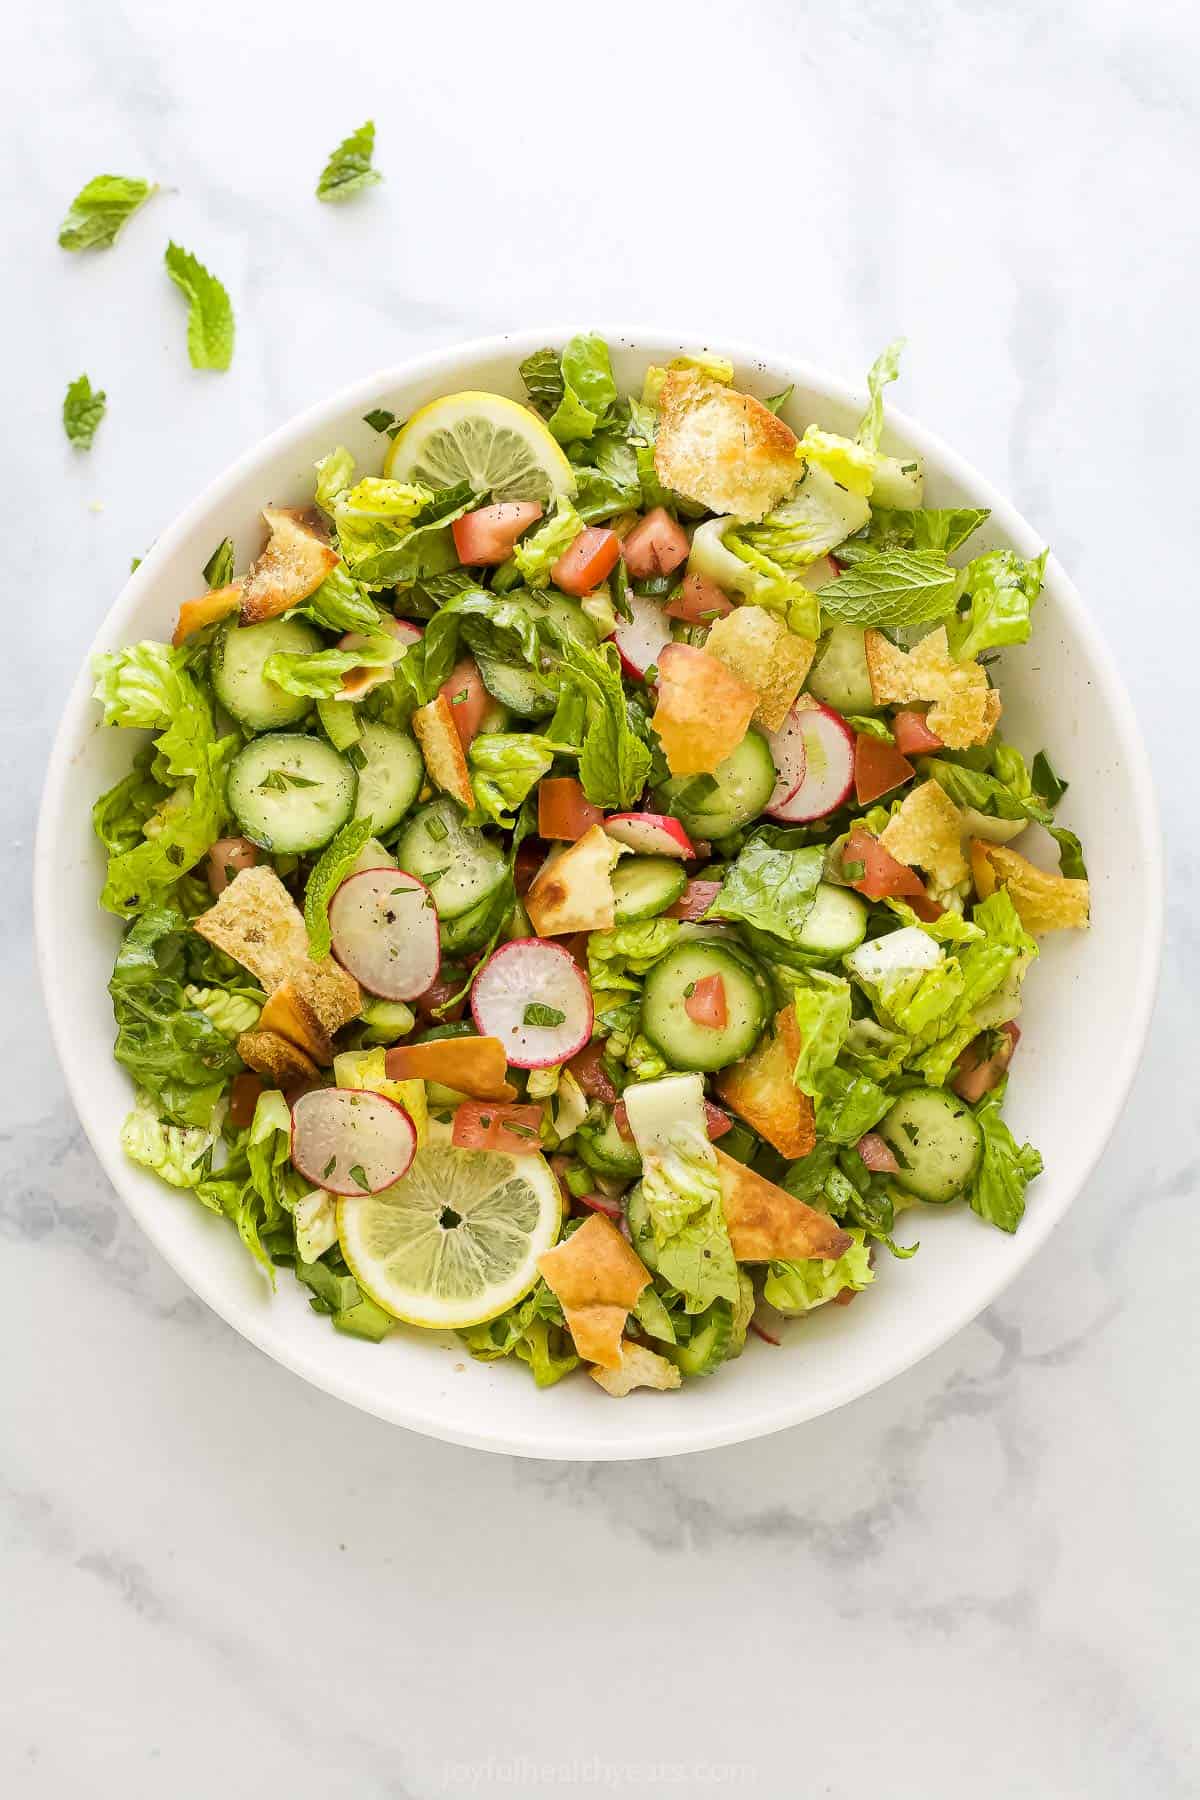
689	1434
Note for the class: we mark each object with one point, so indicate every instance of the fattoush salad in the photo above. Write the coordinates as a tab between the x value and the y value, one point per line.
569	886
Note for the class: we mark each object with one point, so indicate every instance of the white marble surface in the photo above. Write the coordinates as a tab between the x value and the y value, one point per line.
982	1580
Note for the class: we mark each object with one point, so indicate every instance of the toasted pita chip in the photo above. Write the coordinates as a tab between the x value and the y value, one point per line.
441	746
475	1066
295	562
572	891
926	830
704	710
768	657
965	711
597	1278
767	1224
1044	902
638	1367
289	1014
194	615
276	1057
722	447
257	922
761	1090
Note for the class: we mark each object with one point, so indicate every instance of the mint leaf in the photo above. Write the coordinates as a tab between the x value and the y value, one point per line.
328	874
897	587
349	170
537	1014
218	570
210	315
82	411
99	210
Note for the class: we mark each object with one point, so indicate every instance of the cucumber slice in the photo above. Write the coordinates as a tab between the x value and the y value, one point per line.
708	1345
600	1145
935	1139
471	930
839	677
713	806
644	886
836	924
236	663
290	793
641	1231
389	776
528	695
456	861
665	1022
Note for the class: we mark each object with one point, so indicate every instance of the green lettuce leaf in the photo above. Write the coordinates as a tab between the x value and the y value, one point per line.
173	1050
232	1010
542	374
772	889
505	767
822	1006
341	604
218	570
922	529
897	587
796	1287
536	553
100	208
849	1103
589	392
534	1331
83	408
614	762
318	674
1001	588
119	816
997	1192
349	170
210	315
883	370
618	959
682	1188
328	873
178	1154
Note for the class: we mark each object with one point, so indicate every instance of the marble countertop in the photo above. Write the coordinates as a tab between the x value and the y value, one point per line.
980	1580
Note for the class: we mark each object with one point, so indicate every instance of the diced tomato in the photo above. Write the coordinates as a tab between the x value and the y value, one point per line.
243	1098
227	858
695	900
706	1005
699	601
878	768
564	811
486	1125
621	1121
977	1072
588	1069
575	946
530	857
913	736
926	908
488	534
718	1122
298	1090
877	1154
587	562
436	995
882	874
845	1296
467	697
655	546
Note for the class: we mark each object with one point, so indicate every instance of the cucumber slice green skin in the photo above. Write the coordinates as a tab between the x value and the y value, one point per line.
644	886
839	677
743	785
836	924
709	1343
664	999
936	1140
528	695
390	778
641	1231
461	866
235	666
290	793
340	722
600	1145
471	930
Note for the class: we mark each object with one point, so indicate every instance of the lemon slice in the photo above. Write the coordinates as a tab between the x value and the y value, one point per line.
457	1240
485	439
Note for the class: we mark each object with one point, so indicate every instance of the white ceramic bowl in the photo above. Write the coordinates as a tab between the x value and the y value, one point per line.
1085	1018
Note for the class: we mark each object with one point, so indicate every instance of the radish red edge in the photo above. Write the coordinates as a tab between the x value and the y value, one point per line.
641	640
828	773
316	1131
532	972
650	834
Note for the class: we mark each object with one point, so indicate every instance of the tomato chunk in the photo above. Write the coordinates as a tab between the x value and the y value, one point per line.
438	994
706	1004
913	736
878	768
877	1154
488	534
984	1062
695	900
588	1069
468	698
587	562
227	858
699	601
243	1098
656	545
718	1122
882	874
486	1125
564	811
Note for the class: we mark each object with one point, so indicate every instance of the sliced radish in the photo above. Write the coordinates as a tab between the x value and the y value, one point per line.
649	834
351	1140
641	640
534	997
385	931
828	771
789	756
